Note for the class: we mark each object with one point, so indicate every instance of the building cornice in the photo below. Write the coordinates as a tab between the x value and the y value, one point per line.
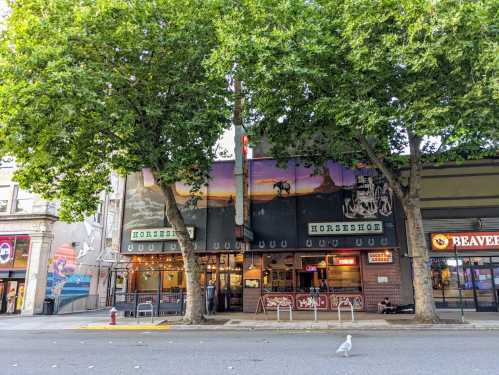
28	217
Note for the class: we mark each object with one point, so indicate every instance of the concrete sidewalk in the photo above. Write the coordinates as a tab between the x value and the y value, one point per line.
72	321
302	320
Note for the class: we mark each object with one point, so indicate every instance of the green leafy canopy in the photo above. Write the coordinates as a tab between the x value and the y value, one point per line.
91	86
321	74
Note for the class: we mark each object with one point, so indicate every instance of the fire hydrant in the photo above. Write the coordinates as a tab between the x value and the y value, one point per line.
114	315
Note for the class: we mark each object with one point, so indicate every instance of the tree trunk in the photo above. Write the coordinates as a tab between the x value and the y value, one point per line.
194	310
423	290
410	199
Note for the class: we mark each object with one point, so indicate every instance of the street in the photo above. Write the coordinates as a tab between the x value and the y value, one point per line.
257	352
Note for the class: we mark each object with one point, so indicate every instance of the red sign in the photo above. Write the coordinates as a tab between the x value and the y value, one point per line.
344	261
245	143
465	241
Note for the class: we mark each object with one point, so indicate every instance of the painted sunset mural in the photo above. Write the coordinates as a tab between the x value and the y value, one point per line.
269	181
283	202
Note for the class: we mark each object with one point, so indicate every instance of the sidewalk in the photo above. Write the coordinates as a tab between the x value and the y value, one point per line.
88	320
302	320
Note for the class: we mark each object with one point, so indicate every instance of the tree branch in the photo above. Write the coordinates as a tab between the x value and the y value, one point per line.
387	172
415	164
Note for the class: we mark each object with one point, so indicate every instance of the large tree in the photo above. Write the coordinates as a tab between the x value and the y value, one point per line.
398	83
91	86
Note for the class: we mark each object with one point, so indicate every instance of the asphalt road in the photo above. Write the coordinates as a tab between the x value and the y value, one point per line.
219	353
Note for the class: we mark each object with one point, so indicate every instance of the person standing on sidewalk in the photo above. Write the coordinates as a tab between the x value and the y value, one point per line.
210	297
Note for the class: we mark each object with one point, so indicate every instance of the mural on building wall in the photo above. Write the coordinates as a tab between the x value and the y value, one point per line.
63	276
283	202
368	199
333	193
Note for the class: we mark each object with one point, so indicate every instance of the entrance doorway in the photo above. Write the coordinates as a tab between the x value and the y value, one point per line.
484	288
226	272
11	296
306	280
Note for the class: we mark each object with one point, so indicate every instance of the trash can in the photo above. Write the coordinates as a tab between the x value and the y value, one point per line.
48	306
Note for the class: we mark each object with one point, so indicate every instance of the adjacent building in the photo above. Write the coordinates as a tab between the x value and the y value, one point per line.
42	257
461	215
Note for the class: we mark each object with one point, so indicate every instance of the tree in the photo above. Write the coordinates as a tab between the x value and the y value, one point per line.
89	87
398	83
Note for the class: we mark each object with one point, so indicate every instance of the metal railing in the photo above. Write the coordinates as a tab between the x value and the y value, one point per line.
348	303
286	308
163	303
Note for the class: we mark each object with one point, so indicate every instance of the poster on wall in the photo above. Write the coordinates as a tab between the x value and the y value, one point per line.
6	250
11	297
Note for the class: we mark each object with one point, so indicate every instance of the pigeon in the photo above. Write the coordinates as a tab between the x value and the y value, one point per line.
345	347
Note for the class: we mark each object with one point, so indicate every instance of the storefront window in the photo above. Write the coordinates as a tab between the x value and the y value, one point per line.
173	281
445	283
147	281
24	202
476	261
343	274
21	253
311	273
278	272
4	198
121	279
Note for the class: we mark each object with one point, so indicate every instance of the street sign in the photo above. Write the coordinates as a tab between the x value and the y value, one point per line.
243	233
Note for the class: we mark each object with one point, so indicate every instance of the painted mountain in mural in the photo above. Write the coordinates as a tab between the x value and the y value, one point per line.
327	185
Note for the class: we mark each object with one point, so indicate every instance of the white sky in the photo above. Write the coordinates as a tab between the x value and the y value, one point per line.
227	142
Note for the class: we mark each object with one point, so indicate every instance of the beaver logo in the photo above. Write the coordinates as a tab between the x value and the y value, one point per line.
440	242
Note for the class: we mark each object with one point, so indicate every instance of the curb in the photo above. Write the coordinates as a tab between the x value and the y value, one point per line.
145	327
382	326
345	328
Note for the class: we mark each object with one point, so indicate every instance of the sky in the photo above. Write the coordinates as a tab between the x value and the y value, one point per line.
3	7
227	143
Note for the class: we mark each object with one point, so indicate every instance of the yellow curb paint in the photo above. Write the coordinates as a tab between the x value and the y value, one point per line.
128	328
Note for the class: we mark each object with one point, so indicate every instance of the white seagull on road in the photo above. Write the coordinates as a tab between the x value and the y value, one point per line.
345	347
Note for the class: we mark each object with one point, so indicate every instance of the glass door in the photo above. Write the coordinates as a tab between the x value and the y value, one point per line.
2	297
495	271
231	282
236	291
483	289
11	297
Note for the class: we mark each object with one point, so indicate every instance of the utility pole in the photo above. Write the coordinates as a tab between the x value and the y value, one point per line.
239	153
242	218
